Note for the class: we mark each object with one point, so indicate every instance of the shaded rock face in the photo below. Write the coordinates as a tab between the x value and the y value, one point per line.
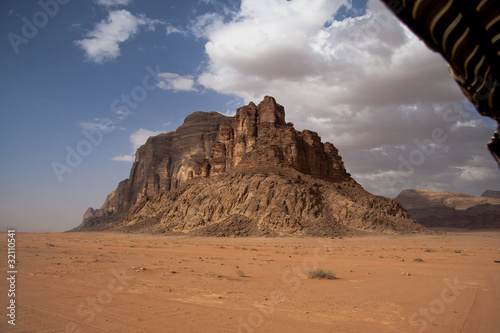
453	210
253	174
491	194
164	163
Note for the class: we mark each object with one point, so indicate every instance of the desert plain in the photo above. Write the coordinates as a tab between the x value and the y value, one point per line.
118	282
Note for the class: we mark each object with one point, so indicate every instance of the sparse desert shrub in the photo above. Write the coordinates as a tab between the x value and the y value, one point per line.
321	274
240	273
49	244
430	250
457	251
254	249
418	259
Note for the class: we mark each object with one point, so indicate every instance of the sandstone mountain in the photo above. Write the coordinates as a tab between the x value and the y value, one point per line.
456	210
251	174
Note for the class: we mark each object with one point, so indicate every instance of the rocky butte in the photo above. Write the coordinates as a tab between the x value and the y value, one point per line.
251	174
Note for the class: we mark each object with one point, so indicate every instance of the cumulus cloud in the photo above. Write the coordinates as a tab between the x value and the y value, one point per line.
359	62
365	83
103	43
176	82
111	3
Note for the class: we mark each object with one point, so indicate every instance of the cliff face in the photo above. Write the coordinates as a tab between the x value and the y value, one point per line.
253	174
454	210
259	135
163	163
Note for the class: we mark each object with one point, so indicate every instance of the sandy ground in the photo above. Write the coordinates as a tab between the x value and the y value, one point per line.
103	282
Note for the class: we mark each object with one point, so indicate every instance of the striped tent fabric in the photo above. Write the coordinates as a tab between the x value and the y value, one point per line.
467	34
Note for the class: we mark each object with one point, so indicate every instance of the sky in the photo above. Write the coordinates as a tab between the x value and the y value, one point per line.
84	83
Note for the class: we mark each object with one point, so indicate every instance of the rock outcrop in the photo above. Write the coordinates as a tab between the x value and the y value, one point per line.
449	209
260	136
268	203
163	163
253	174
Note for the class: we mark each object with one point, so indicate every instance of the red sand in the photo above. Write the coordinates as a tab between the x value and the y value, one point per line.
107	282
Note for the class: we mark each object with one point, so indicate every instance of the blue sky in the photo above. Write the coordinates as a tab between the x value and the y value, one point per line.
96	78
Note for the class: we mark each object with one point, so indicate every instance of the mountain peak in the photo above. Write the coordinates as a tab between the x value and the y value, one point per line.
271	112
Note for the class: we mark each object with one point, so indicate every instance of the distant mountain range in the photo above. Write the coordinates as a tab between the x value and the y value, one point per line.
491	194
454	210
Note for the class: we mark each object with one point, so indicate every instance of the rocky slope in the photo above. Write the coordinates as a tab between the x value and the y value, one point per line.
456	210
251	175
270	203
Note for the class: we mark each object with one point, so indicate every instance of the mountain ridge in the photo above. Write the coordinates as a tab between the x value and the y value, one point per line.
451	209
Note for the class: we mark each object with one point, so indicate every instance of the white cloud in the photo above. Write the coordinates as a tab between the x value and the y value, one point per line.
285	50
124	158
170	29
476	170
103	43
225	7
101	124
123	114
366	83
474	174
175	82
110	3
205	24
106	125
